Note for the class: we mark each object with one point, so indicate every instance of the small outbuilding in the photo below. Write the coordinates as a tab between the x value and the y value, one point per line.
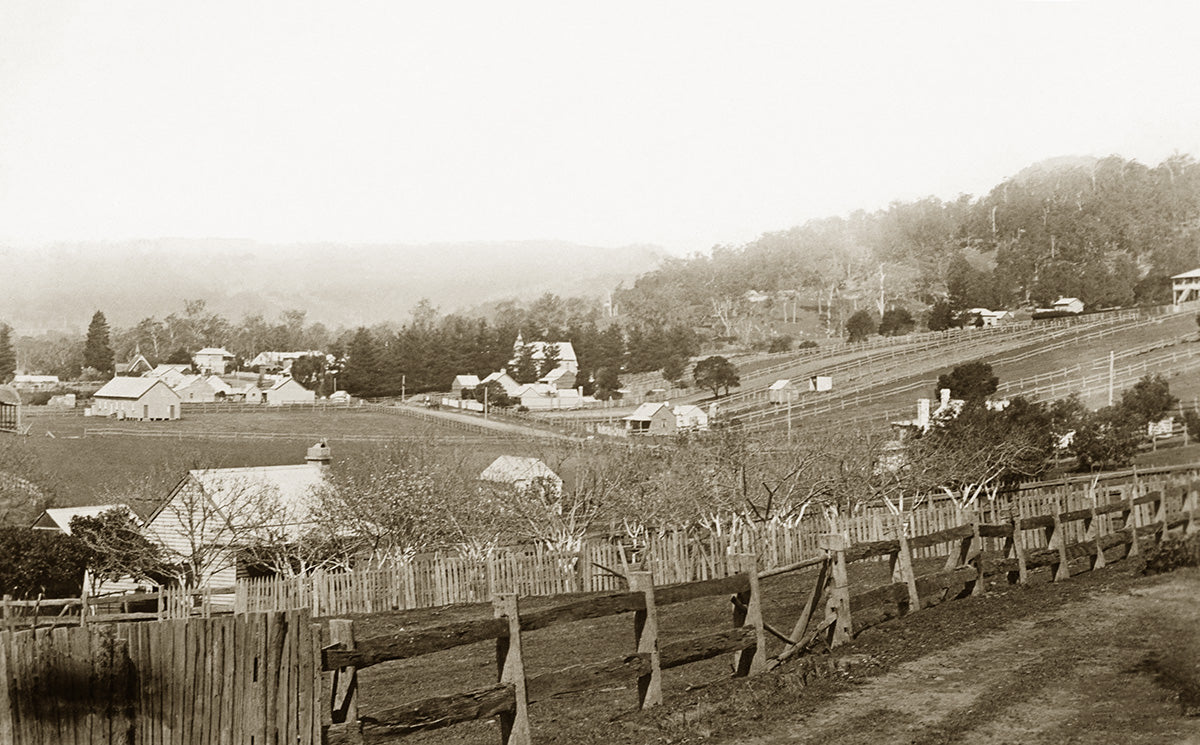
136	398
195	389
1068	305
286	391
1186	287
651	419
690	417
782	391
522	473
820	384
464	383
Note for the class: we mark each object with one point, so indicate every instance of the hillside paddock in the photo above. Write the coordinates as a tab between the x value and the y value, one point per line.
1095	659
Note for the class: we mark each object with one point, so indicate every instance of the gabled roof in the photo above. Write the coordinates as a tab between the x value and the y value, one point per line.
1066	300
1194	274
187	381
9	395
780	385
510	468
213	351
59	518
129	388
467	380
291	486
566	352
645	412
279	384
689	410
218	385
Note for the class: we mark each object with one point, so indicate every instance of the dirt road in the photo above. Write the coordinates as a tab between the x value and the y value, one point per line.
1103	669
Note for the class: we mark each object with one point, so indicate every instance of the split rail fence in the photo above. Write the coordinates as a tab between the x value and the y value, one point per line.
267	677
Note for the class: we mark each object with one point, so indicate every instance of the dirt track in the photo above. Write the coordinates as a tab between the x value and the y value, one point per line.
1095	670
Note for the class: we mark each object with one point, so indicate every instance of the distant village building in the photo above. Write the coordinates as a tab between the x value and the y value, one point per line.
285	391
522	473
651	419
35	382
62	401
988	318
136	398
169	374
1186	287
507	382
212	360
194	389
137	365
1068	305
782	391
566	352
464	383
689	417
270	362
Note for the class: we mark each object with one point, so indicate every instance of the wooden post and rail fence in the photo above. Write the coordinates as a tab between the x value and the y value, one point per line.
269	678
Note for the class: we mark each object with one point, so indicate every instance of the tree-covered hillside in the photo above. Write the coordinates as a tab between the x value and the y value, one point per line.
1109	231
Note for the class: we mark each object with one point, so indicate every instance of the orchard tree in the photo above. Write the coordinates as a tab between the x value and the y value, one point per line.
972	381
859	326
97	351
8	357
1106	439
117	548
716	373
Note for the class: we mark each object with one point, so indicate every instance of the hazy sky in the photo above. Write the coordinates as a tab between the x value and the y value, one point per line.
682	124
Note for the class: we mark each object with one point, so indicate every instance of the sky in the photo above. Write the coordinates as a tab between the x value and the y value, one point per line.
679	124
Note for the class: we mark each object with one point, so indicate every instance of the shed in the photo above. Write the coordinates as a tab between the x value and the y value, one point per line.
195	389
58	519
651	419
1068	305
820	383
1186	287
522	473
782	391
136	398
689	417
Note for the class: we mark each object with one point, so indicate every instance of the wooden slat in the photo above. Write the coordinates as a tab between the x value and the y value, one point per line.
861	551
946	535
591	675
672	594
995	531
703	647
433	713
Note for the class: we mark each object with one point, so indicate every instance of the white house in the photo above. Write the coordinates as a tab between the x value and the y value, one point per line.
276	361
991	318
213	360
35	382
210	511
507	382
542	396
285	391
521	473
1186	287
169	374
464	383
566	352
1068	305
136	398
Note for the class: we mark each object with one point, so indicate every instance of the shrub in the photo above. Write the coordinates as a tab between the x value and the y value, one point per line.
808	344
860	326
780	344
1172	553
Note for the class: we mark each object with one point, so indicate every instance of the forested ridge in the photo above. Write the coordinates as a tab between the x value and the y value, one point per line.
1109	231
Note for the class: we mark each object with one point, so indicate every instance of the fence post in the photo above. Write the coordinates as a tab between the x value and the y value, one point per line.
1192	506
645	631
1057	539
837	606
901	564
1015	546
1130	516
83	600
344	696
6	609
747	611
1091	531
514	725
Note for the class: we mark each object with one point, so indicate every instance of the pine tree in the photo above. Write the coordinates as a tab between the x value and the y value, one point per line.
8	357
361	374
549	359
97	352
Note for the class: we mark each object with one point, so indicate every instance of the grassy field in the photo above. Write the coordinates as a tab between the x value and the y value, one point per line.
78	470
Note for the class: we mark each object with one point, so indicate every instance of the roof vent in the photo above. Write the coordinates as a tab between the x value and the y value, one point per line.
319	454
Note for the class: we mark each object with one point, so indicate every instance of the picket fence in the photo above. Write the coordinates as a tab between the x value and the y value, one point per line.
678	557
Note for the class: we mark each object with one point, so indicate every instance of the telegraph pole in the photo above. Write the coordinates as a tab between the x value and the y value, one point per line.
403	380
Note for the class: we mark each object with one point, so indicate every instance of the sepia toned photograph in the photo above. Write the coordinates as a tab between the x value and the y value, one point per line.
555	373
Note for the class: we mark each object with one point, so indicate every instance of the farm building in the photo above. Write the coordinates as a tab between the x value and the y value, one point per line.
782	391
10	409
688	417
566	352
820	383
651	419
212	360
136	398
464	383
285	391
169	374
211	510
1068	305
194	389
35	382
990	318
559	377
521	473
507	382
271	362
1186	287
543	396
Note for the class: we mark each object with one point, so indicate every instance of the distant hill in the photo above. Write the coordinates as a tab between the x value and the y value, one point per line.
59	286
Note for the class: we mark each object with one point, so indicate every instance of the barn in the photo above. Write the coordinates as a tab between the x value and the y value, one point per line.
136	398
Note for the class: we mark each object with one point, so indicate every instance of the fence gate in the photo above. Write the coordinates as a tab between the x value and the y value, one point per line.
244	680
